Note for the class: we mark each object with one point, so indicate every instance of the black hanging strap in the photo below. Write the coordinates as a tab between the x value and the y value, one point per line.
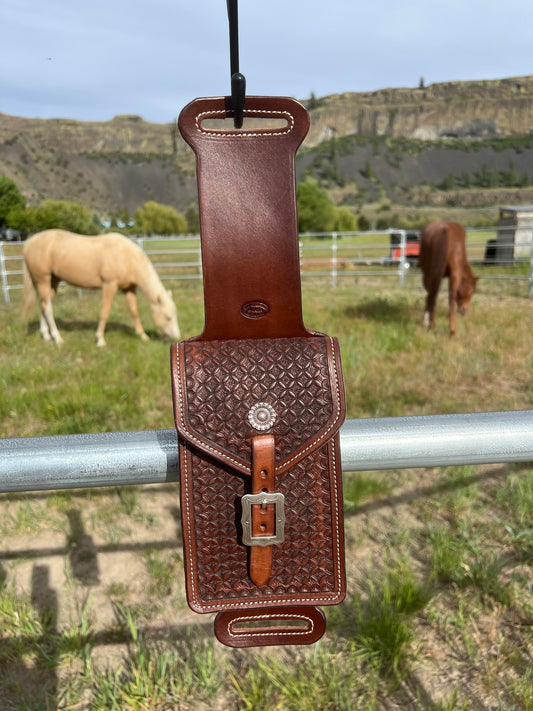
238	81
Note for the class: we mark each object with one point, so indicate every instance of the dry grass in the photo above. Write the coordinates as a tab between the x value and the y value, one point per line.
439	614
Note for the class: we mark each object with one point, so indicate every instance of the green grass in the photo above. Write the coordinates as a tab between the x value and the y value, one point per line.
380	620
92	605
358	486
158	676
324	678
392	366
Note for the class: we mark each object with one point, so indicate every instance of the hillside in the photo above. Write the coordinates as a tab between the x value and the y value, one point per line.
390	143
106	166
468	110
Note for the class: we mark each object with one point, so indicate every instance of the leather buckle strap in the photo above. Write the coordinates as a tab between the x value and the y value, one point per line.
265	508
263	500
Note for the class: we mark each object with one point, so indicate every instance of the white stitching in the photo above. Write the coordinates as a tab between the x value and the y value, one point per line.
221	454
330	597
203	445
275	632
189	535
323	437
240	134
227	604
337	529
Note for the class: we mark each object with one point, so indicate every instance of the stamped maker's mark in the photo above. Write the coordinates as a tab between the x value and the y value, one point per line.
255	309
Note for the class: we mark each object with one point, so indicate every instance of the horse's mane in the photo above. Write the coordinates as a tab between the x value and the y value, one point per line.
147	276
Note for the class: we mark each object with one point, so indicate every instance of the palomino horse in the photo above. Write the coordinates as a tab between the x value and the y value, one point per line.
109	262
443	253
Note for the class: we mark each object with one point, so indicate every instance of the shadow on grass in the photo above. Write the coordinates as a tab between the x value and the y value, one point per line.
430	491
380	621
71	326
381	310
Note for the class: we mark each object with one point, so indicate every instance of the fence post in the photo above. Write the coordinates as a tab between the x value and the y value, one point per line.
200	265
530	290
334	260
5	285
402	262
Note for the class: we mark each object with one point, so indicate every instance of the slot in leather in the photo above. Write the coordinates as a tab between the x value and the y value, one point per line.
268	627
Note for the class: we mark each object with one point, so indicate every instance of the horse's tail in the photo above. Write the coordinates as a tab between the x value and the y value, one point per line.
30	295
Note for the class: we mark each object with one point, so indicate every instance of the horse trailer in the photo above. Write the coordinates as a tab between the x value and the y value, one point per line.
410	249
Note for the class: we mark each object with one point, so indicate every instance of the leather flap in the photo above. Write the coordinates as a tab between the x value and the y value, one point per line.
227	391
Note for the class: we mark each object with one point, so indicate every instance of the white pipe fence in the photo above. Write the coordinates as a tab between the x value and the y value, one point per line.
151	457
357	254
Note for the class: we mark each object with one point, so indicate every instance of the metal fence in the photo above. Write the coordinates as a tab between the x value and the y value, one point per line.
151	457
333	255
111	459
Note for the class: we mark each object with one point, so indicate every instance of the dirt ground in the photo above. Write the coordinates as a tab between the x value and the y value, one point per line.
78	554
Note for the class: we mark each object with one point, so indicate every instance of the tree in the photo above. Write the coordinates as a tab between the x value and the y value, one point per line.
61	214
154	218
494	178
483	177
345	220
363	223
10	199
367	171
19	218
316	212
193	220
510	177
523	180
313	102
448	182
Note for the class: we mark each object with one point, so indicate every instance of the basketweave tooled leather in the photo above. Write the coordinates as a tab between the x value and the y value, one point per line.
255	352
215	385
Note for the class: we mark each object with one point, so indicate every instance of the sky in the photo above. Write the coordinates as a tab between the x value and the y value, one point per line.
94	59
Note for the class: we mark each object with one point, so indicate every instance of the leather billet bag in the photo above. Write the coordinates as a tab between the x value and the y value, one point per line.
258	398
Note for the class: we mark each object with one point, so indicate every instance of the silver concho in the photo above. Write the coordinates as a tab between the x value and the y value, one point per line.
262	416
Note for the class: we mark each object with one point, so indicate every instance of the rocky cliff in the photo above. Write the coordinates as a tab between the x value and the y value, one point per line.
119	164
466	110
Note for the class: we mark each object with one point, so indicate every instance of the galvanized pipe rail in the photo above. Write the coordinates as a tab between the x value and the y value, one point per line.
151	457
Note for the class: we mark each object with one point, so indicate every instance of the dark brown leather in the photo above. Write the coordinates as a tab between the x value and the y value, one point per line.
248	220
258	398
278	625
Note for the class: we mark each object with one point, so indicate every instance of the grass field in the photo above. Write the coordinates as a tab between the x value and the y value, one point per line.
439	613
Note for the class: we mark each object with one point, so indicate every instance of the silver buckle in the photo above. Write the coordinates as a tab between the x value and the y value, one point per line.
262	498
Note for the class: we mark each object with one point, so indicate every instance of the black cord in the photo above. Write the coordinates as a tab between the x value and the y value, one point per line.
238	81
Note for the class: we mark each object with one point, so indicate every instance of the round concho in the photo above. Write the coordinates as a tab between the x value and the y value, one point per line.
262	416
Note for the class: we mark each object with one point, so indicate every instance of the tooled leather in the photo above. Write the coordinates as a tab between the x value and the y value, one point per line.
306	567
247	196
222	380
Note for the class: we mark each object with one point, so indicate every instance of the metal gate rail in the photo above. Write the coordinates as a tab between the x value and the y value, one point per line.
151	457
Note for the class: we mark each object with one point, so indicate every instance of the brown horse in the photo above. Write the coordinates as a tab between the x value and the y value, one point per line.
109	262
443	254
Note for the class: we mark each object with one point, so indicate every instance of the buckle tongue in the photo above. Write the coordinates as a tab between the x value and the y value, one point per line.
263	498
